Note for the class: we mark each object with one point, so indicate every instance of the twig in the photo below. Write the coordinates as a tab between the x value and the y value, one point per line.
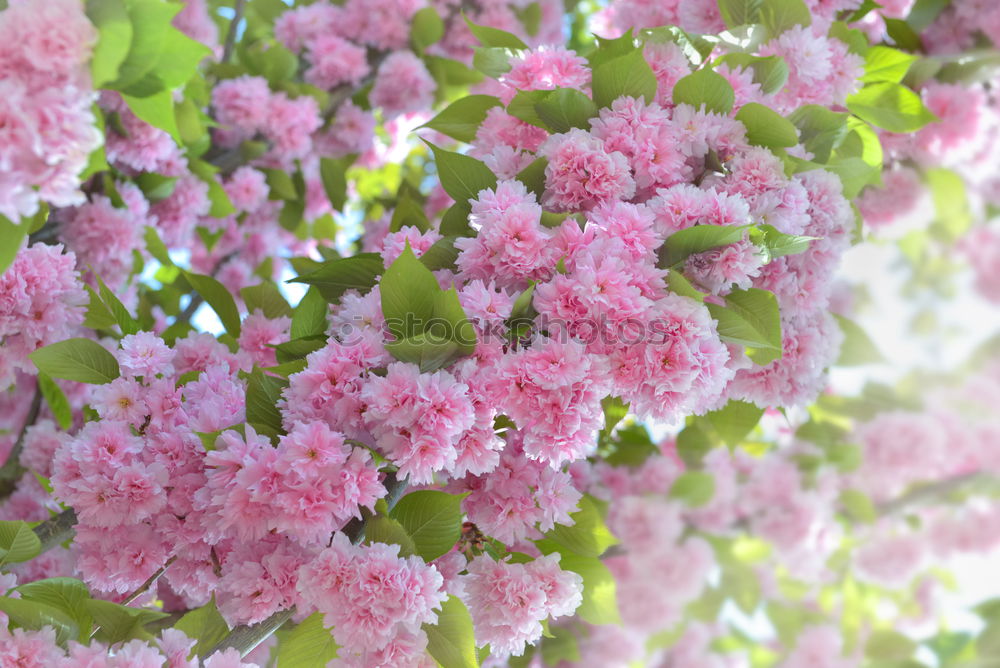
931	492
11	471
57	529
227	49
149	582
246	638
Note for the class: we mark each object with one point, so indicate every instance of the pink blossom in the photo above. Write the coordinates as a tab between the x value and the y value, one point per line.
259	334
335	61
402	84
247	189
582	174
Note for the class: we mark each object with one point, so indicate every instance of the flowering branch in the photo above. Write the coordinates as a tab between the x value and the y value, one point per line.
246	637
149	582
11	471
227	49
932	492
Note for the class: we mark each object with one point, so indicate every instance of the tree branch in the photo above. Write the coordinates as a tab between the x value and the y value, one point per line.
57	529
11	471
234	26
932	492
149	582
246	638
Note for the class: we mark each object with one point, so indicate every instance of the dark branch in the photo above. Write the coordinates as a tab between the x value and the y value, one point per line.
234	26
11	471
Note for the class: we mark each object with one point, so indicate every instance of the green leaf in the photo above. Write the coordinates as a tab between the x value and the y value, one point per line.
777	16
857	348
263	393
588	535
427	350
566	108
887	645
432	519
614	409
735	420
266	297
222	206
855	174
680	285
407	290
56	399
65	594
82	360
382	529
309	318
890	106
308	644
408	213
298	349
902	34
18	542
204	624
705	87
218	297
493	62
751	318
600	603
334	278
98	315
11	237
156	247
333	173
951	201
441	255
160	56
883	63
451	641
455	221
157	110
494	37
697	239
766	127
737	13
114	39
533	178
858	505
925	12
462	176
820	129
694	488
426	28
628	75
34	615
773	243
462	118
119	623
123	318
771	73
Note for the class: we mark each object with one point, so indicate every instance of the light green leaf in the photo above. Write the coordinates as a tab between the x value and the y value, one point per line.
156	247
680	285
119	623
335	277
858	505
426	28
428	351
65	594
157	110
773	243
735	420
766	127
857	348
737	13
705	87
462	176
204	624
890	106
56	399
407	290
462	118
441	255
751	318
628	75
588	535
82	360
11	237
697	239
34	615
218	297
333	173
888	645
432	519
222	206
451	641
123	318
494	62
382	529
600	603
694	488
820	129
494	37
114	39
566	108
17	542
308	644
777	16
883	63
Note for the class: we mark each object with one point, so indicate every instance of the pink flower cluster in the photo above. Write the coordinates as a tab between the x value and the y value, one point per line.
373	601
47	128
509	601
41	301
